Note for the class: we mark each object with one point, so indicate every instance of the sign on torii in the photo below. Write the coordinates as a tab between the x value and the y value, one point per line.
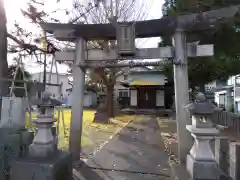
152	28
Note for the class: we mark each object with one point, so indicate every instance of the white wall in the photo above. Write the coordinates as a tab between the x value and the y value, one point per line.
54	89
87	100
118	87
216	98
90	99
133	97
160	98
211	85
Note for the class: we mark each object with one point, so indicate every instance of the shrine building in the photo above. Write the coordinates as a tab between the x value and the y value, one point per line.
144	88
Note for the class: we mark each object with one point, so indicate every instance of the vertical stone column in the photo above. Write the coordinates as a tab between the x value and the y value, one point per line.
181	94
234	160
77	99
221	153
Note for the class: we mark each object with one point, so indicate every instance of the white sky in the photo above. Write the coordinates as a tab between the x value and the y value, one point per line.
14	14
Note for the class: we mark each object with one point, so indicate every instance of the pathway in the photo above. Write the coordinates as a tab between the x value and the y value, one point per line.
137	153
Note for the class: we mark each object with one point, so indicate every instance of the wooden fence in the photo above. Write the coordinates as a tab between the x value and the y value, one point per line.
228	119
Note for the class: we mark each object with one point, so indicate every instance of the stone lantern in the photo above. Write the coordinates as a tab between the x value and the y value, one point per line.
44	143
44	160
201	162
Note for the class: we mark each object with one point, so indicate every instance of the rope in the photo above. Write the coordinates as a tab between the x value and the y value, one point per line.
59	109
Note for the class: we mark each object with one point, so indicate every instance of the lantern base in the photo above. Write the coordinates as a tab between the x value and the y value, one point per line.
202	170
42	150
13	144
57	167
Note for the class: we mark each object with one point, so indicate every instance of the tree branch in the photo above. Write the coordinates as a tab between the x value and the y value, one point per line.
27	47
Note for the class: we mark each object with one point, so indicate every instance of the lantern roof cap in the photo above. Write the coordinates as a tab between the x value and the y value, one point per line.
201	106
47	101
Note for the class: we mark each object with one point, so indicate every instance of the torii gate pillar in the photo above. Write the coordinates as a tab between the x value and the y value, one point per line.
77	99
181	89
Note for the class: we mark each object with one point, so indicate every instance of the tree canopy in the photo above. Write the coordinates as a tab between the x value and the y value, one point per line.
225	39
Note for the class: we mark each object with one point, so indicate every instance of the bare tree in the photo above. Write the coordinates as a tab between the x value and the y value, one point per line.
108	11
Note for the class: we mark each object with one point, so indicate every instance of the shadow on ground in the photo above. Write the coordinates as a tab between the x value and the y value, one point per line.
85	172
136	153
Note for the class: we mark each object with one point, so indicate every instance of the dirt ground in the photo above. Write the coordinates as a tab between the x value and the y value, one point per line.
168	130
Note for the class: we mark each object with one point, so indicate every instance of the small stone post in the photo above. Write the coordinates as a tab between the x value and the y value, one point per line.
234	160
221	153
201	162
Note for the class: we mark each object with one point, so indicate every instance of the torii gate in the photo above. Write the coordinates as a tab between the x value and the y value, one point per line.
176	26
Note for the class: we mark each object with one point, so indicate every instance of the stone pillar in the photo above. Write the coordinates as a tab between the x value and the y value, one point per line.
221	153
234	160
77	100
181	94
201	162
229	100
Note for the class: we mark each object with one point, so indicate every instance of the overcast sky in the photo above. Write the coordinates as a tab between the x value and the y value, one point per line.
14	14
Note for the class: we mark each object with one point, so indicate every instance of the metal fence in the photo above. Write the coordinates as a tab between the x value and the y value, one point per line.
227	119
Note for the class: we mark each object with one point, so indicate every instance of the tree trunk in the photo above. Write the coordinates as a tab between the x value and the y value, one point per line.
202	88
193	93
4	88
110	100
3	51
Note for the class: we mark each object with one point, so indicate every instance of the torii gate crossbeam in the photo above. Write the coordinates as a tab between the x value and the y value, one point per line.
159	27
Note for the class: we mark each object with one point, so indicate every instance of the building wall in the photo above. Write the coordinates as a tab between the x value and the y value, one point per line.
133	97
54	89
119	88
160	98
90	99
